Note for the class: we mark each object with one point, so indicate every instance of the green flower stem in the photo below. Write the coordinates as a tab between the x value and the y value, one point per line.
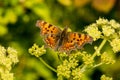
51	68
99	48
83	68
97	65
95	53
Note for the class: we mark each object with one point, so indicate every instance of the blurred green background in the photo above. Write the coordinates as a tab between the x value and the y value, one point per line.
17	29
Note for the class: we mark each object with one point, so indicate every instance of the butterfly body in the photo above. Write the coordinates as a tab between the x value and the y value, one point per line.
61	40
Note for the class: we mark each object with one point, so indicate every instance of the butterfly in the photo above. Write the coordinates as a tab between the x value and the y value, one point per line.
62	40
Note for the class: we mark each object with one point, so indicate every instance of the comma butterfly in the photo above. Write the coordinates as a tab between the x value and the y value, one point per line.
61	40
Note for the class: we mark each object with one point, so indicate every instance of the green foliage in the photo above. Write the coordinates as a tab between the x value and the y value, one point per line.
17	29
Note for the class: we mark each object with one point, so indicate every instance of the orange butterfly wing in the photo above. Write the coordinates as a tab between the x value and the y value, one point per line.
74	41
47	28
49	32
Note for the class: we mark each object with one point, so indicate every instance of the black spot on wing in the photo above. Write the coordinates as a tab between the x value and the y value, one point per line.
51	31
44	23
73	38
77	39
71	41
74	34
50	25
79	35
53	28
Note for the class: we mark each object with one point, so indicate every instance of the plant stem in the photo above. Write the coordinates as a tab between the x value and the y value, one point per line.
94	54
83	68
99	48
97	65
51	68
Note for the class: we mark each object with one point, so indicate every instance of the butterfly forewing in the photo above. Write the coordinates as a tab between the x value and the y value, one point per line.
47	28
49	32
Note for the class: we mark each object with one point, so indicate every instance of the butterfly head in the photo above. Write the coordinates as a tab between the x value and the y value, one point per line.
64	32
66	28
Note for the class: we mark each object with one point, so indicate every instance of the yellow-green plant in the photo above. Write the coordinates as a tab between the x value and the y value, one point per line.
74	66
8	57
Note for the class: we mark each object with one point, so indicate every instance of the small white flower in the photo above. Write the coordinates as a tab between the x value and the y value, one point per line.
93	31
114	24
107	30
12	54
101	21
115	43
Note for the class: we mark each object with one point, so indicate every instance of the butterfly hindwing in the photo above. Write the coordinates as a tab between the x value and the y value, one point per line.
74	41
80	39
51	41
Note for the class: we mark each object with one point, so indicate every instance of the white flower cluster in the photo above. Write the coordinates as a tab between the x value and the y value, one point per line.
105	29
7	58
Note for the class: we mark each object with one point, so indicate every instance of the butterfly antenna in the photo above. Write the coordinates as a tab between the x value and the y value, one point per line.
65	29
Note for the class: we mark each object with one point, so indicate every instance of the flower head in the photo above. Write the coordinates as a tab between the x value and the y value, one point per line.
103	77
37	51
93	31
88	60
107	30
64	69
7	58
7	76
107	59
2	51
101	21
115	43
77	74
114	24
103	28
12	54
69	64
